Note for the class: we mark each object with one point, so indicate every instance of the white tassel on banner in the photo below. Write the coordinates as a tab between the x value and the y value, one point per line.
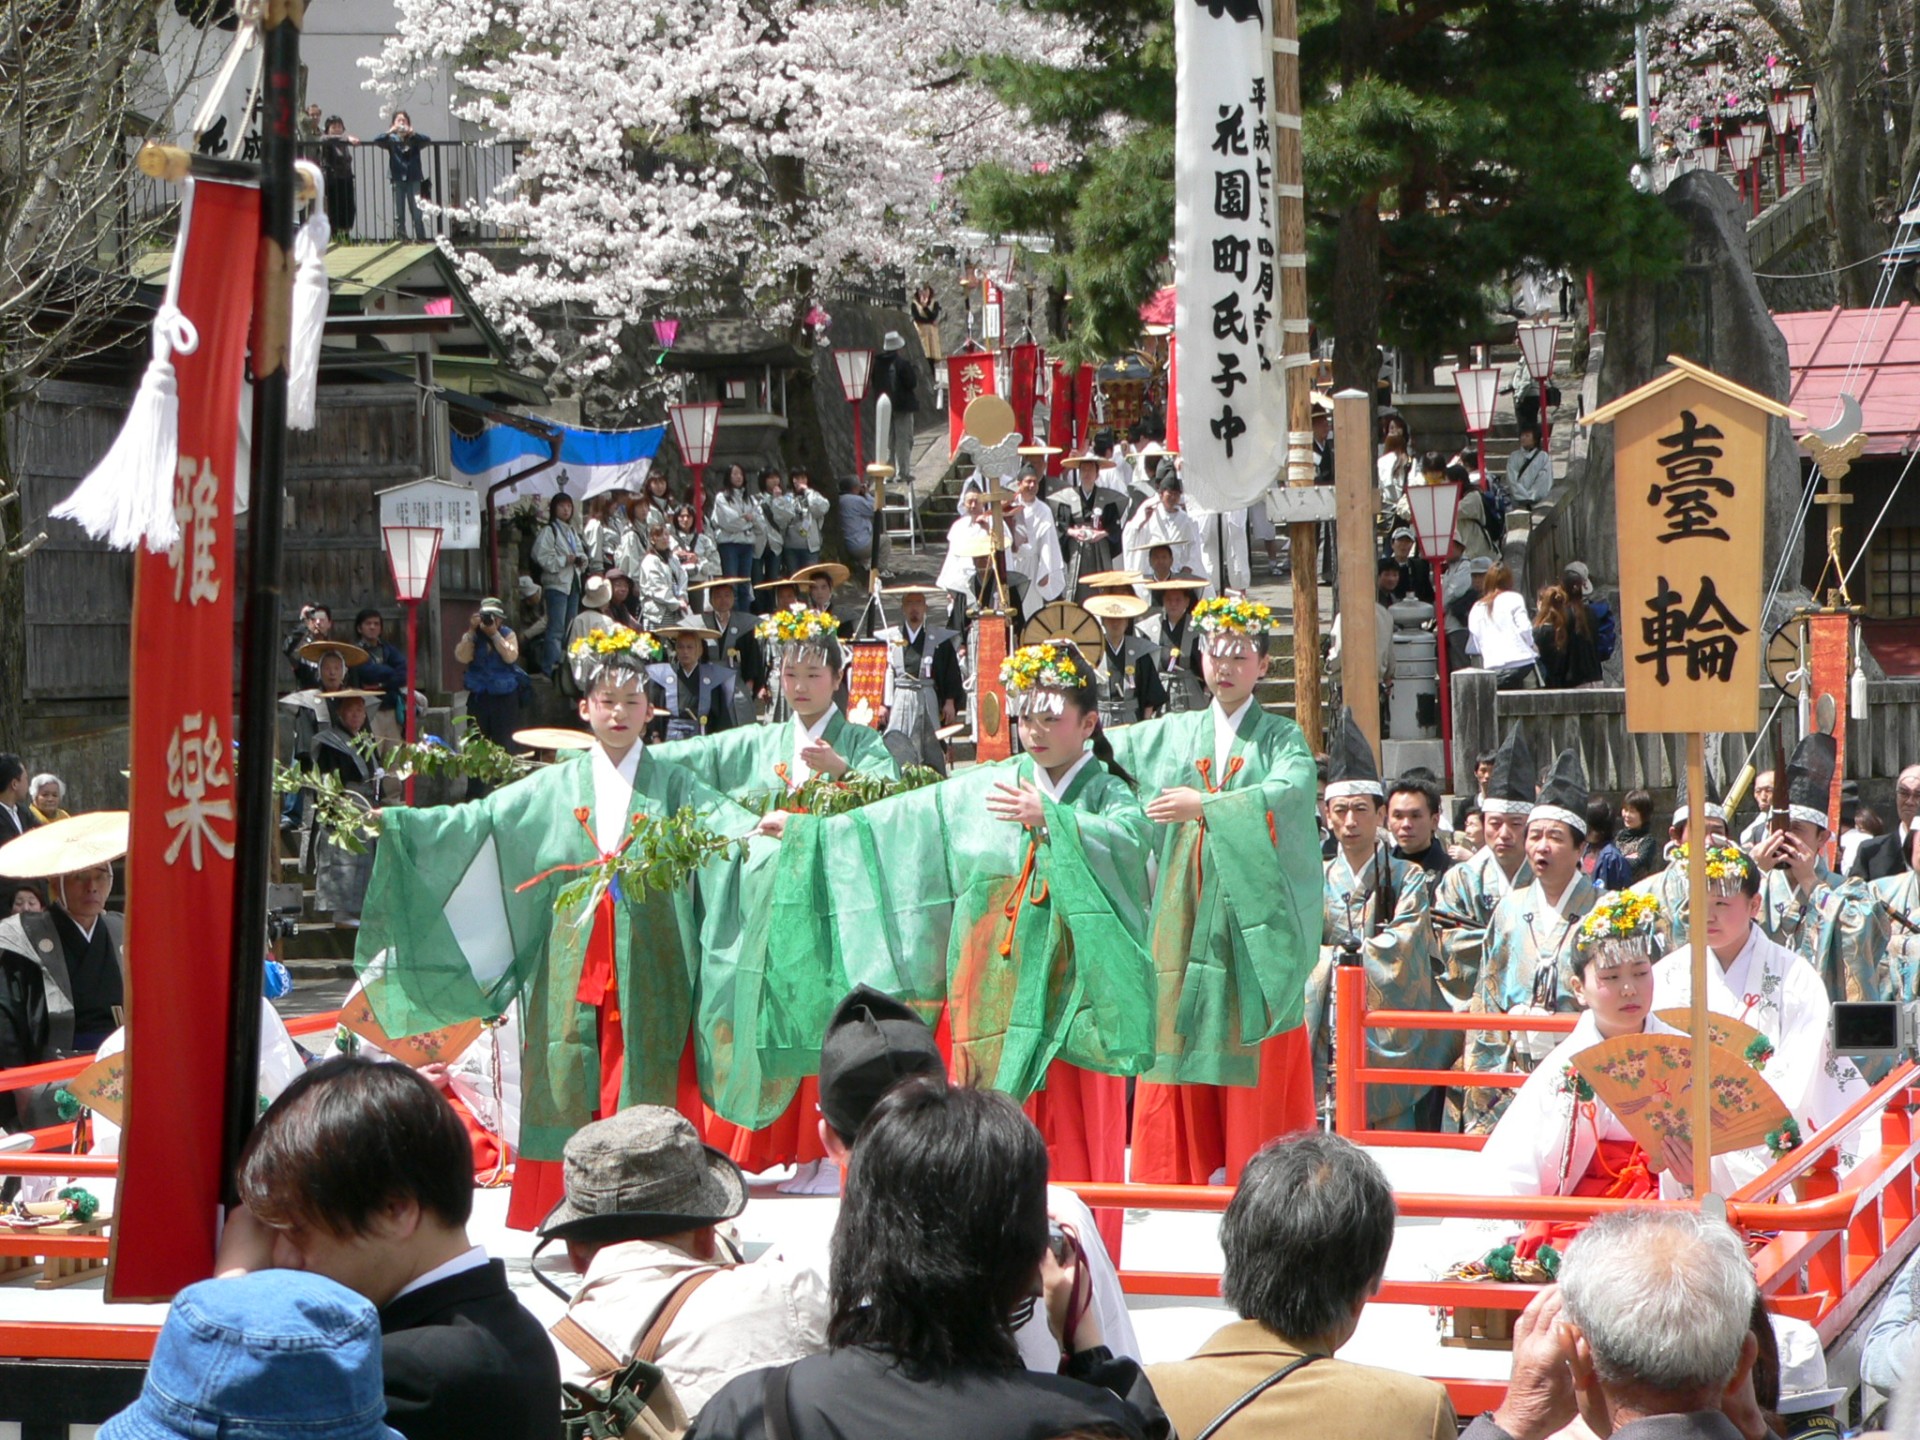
128	496
309	305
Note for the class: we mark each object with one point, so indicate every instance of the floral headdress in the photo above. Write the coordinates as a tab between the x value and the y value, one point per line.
802	631
1728	867
1224	619
1038	677
620	649
1620	927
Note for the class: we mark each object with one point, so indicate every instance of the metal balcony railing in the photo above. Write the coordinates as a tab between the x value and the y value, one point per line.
365	207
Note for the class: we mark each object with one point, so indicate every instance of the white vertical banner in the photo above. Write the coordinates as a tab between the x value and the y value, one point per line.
1226	254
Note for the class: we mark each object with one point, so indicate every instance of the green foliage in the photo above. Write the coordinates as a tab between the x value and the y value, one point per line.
476	758
344	816
1469	128
347	819
657	857
824	795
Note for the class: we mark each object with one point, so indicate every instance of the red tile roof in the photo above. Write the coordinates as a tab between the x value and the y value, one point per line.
1881	349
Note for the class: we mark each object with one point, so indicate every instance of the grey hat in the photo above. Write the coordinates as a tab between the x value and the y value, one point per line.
642	1173
1578	571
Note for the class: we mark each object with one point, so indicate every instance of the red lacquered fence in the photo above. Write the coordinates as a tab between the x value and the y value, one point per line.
1823	1243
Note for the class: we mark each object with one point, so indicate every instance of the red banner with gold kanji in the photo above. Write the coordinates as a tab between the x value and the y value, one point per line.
969	376
1172	441
1059	418
180	867
1025	388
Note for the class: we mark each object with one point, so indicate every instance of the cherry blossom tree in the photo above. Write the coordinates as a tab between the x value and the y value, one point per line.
694	157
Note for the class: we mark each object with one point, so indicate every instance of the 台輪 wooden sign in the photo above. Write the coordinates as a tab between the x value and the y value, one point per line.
1690	476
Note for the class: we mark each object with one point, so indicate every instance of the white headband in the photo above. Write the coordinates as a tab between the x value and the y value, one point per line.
1576	823
1506	807
1713	812
1808	815
1343	789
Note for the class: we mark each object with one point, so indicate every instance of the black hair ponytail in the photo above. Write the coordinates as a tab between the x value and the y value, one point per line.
1103	752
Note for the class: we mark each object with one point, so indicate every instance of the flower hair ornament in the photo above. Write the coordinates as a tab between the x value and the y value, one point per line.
1227	622
1038	678
1619	929
1728	867
803	634
613	652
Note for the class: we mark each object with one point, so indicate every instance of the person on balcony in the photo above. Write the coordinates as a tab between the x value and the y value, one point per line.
405	146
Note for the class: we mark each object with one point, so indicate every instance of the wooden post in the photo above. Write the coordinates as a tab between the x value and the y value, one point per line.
1700	1105
1289	177
1353	541
1690	453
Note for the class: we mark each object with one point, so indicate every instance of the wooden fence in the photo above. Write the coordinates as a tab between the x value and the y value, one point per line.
1594	723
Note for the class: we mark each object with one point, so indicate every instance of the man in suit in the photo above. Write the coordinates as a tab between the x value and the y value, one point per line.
16	812
1305	1240
1883	855
1648	1336
362	1172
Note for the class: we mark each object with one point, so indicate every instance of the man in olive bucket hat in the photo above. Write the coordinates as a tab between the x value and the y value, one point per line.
640	1219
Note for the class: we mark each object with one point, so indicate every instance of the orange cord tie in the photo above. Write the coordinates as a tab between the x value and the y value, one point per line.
585	817
1012	908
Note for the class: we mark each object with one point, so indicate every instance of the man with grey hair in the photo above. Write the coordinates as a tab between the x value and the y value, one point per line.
1305	1240
1648	1337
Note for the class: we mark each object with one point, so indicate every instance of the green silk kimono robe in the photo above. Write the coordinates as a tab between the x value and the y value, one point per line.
740	762
1397	950
1237	906
1036	946
1463	903
448	934
1526	939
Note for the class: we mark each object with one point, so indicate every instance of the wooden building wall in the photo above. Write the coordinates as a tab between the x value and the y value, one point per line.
78	594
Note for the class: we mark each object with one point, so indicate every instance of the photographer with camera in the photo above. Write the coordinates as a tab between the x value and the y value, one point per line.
404	146
494	680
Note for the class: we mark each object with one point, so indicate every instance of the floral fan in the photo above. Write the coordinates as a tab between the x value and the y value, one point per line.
1647	1081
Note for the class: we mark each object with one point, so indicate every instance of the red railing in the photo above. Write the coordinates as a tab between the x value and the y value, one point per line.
40	1340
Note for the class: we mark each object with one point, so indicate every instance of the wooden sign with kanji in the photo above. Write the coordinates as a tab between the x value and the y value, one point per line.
1690	476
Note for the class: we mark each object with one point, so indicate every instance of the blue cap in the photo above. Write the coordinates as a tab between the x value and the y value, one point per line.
275	1353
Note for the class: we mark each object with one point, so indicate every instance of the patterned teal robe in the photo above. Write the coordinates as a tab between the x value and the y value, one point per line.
1397	949
1526	941
740	762
1463	903
1237	905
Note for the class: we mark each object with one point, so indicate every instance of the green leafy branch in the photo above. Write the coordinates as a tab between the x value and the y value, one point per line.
658	856
344	815
475	758
825	795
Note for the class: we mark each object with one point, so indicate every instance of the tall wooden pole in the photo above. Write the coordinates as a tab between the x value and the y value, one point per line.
256	841
1289	178
1700	1108
1353	543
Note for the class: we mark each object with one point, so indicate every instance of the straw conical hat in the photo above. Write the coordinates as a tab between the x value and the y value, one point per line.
97	838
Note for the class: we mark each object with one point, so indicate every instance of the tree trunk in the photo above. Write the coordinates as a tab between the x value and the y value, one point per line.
1849	132
1356	300
13	592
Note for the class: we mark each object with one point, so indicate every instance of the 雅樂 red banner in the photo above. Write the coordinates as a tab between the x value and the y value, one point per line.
180	867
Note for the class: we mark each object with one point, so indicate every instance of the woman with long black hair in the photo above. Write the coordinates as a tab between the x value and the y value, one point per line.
940	1243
